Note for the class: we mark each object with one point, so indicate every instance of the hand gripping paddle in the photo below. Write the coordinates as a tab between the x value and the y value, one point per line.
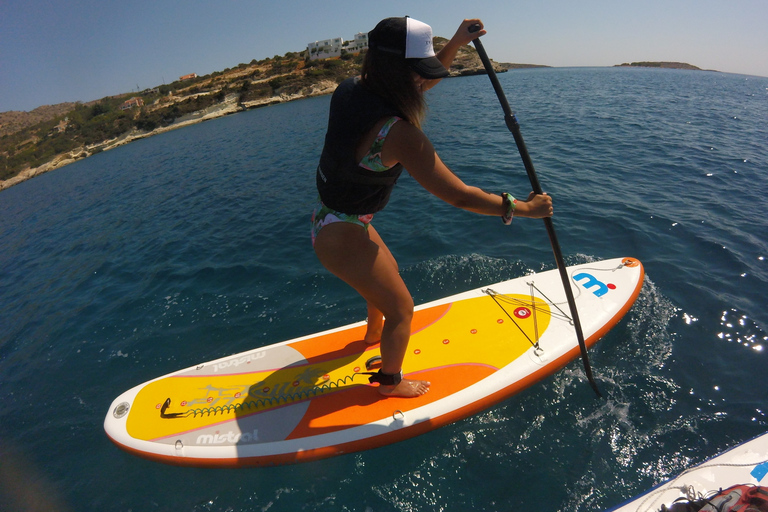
514	127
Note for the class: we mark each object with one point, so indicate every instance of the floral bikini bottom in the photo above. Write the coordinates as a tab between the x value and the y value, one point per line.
322	216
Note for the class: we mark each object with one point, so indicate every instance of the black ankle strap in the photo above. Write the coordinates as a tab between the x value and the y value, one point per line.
385	379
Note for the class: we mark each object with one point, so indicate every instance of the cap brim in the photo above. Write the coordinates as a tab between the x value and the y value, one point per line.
429	67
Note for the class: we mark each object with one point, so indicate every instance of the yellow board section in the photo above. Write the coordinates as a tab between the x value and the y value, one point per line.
471	340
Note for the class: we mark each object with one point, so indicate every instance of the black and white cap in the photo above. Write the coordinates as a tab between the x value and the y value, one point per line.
411	39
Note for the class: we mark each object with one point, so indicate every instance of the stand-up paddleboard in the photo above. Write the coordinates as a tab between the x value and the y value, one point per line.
746	463
310	398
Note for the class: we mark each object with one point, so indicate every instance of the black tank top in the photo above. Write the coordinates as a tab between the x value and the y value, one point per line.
343	185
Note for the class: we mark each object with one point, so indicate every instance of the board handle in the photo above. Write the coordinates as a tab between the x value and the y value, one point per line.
165	407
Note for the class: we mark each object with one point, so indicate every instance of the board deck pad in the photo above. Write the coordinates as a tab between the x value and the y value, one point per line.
310	398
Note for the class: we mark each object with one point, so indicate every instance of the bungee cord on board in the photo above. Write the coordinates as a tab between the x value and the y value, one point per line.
255	404
535	305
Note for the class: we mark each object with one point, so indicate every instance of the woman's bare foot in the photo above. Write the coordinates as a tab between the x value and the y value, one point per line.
406	388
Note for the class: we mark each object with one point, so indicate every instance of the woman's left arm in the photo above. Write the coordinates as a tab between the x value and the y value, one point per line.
409	146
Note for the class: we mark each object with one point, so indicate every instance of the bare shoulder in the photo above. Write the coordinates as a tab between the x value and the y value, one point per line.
404	133
407	145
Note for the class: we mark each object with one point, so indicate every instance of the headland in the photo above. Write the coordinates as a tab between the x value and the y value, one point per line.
50	137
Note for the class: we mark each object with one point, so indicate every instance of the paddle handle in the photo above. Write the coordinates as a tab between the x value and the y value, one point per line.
514	127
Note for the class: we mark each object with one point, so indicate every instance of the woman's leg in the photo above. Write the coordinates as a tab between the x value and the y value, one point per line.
375	316
360	258
375	325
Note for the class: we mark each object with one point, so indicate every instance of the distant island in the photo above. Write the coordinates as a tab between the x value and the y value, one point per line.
667	65
50	137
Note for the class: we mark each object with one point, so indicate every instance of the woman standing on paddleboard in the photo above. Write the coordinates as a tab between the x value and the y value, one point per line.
374	131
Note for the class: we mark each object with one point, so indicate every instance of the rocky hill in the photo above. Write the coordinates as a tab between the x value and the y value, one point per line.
50	137
14	121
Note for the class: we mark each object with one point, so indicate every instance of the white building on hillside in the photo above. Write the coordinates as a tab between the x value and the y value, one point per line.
333	47
359	44
325	49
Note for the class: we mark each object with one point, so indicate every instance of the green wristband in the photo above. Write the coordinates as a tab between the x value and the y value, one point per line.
510	203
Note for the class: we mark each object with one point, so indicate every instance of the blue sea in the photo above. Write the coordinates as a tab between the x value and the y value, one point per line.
194	244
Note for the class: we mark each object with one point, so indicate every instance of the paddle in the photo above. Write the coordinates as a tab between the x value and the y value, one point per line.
514	127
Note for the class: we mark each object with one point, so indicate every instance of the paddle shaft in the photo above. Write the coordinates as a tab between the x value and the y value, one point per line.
514	127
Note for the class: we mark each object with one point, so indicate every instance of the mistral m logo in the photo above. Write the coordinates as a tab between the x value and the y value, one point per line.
592	283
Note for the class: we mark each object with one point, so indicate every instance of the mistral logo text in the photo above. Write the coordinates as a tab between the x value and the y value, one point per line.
229	438
247	359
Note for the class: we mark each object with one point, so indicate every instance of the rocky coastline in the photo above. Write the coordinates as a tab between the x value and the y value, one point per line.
229	106
235	90
286	78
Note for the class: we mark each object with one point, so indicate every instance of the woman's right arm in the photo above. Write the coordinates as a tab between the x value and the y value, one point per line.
449	51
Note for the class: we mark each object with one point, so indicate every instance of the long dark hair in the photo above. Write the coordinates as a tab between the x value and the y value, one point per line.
389	76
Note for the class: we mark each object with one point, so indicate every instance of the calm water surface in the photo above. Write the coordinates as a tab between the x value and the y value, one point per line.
194	244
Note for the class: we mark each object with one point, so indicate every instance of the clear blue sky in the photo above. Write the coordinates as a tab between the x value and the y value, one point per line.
53	51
